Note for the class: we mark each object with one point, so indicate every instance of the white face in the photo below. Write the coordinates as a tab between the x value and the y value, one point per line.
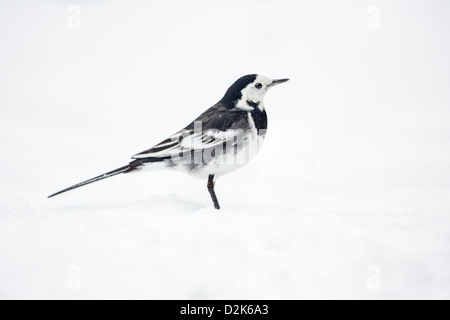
256	91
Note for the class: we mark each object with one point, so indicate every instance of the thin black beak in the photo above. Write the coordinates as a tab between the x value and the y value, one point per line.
275	82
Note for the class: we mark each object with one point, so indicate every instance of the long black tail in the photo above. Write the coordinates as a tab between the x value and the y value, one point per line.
128	168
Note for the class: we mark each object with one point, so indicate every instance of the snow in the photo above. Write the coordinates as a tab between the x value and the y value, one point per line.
350	197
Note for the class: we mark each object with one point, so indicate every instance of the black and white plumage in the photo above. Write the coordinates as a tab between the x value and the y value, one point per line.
222	139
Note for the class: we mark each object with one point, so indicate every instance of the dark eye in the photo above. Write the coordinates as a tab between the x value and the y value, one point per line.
258	85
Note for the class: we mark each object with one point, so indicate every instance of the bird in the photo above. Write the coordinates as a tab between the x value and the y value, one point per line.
222	139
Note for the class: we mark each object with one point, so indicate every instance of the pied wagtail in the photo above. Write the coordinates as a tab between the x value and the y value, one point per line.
222	139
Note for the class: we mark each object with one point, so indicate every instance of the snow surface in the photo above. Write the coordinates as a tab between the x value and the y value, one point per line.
350	197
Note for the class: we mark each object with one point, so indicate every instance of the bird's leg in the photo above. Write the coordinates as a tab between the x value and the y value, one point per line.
212	192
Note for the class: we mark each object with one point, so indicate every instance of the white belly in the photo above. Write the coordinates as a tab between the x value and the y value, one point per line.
230	161
221	159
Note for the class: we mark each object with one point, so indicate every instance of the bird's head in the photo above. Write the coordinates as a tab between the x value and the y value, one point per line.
249	91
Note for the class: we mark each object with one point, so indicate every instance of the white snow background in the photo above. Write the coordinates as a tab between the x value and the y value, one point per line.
350	197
